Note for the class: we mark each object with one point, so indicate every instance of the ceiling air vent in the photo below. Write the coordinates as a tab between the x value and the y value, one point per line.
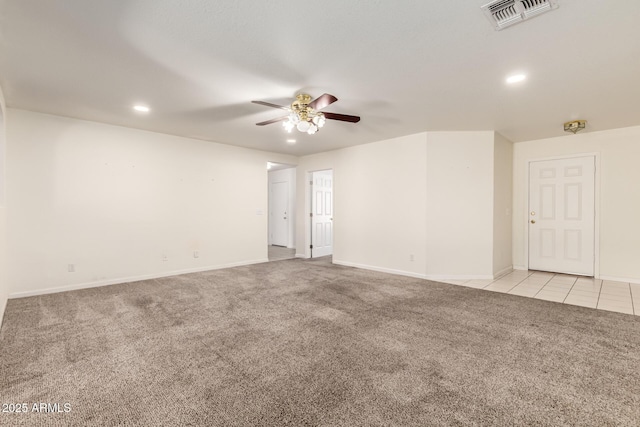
504	13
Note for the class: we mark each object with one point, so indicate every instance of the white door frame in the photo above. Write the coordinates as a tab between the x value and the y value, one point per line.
272	219
596	156
307	209
292	216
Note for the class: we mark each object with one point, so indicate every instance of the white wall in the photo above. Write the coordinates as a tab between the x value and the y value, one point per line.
4	285
618	186
502	204
429	195
114	201
380	206
460	204
289	176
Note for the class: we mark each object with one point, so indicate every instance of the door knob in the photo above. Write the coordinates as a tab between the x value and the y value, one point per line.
533	221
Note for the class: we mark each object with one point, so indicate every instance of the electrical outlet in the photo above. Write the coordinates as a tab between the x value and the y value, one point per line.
196	254
164	257
411	257
71	268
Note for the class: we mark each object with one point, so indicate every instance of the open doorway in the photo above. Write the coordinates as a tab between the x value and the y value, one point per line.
282	204
321	213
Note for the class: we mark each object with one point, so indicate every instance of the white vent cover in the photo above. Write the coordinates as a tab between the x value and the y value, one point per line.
503	13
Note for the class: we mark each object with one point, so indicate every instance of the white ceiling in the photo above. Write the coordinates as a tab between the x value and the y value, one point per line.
404	66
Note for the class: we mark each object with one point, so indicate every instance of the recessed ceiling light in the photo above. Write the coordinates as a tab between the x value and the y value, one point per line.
516	78
141	108
291	141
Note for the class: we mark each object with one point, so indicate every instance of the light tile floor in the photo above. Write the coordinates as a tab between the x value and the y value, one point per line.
575	290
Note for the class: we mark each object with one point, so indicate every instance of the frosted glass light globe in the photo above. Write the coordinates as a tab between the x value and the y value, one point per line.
303	126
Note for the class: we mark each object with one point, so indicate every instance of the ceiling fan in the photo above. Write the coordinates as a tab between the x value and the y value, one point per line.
304	114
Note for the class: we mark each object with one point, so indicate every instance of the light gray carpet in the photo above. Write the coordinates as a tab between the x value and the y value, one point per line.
306	343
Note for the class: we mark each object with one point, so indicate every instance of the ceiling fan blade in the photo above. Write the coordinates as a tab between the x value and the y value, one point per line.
342	117
268	104
322	101
268	122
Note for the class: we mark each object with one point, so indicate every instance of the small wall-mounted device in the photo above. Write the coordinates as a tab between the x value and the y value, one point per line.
575	126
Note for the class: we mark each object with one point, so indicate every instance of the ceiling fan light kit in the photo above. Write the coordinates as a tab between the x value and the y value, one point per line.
304	115
575	126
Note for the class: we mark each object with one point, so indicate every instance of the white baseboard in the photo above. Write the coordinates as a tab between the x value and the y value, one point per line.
3	306
503	272
301	256
380	269
441	277
620	279
130	279
434	277
520	267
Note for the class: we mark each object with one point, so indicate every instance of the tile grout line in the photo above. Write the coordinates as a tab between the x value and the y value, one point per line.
618	303
587	297
502	275
494	280
543	286
505	275
632	299
514	286
600	293
570	289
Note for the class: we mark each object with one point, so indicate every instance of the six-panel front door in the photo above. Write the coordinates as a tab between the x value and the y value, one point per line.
562	215
322	213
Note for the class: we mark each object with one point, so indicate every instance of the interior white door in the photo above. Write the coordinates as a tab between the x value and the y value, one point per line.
562	215
279	218
322	214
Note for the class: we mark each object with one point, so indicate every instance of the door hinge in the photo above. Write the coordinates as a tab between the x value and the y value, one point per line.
311	214
310	246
